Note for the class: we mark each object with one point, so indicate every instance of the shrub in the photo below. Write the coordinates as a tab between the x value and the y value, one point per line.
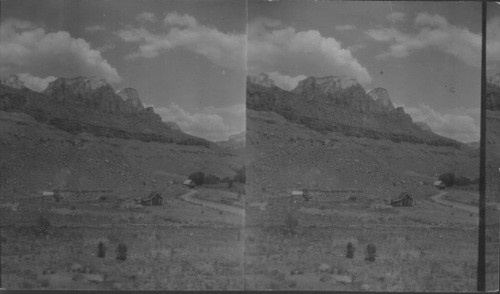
350	250
448	179
43	224
462	181
198	178
371	252
241	175
211	179
101	250
291	223
121	252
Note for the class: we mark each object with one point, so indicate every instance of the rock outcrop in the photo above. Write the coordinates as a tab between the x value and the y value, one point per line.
334	104
12	81
89	105
261	80
493	92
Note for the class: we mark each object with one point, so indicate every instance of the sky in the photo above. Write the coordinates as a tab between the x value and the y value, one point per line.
185	58
426	54
189	59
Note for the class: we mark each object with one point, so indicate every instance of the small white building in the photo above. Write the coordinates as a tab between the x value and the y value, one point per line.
188	183
48	193
297	193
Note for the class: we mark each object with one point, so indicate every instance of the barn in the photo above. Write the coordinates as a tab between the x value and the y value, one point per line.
439	185
403	200
153	199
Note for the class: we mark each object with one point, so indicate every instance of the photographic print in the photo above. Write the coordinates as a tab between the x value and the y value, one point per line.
122	128
362	137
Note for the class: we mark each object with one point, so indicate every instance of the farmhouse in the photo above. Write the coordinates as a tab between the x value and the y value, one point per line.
153	199
403	200
439	185
188	183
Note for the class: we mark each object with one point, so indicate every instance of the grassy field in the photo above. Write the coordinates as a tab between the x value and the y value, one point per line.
428	247
175	246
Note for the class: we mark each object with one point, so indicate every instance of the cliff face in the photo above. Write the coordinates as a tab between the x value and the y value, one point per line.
89	105
336	104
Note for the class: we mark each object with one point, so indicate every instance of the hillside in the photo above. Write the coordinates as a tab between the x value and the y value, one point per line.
80	134
329	134
334	104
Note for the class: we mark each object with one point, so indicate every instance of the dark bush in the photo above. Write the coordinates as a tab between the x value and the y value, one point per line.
448	179
211	179
241	175
462	181
350	250
371	252
43	225
291	223
198	178
101	250
121	252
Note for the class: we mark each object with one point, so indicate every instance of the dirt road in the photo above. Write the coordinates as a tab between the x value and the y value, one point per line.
231	209
462	206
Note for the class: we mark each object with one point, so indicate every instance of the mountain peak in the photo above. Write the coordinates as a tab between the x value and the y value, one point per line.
315	86
12	81
262	79
131	97
381	95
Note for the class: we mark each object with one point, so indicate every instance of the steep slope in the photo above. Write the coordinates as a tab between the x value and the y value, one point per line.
80	134
89	105
333	104
332	135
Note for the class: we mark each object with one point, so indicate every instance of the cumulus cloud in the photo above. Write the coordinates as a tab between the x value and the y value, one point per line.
396	16
493	41
208	124
184	32
146	17
458	124
35	83
94	28
285	82
435	32
345	27
275	47
26	47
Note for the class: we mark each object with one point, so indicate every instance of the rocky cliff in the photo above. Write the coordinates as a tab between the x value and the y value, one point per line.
337	104
90	105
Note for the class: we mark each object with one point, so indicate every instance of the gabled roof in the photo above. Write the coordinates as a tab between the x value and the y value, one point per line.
401	196
151	195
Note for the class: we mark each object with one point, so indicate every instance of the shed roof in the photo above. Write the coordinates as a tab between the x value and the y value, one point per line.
187	182
151	196
437	183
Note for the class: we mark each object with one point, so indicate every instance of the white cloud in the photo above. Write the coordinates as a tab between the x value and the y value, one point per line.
184	32
285	82
35	83
458	124
25	47
94	28
493	41
435	32
345	27
208	124
146	17
274	47
396	16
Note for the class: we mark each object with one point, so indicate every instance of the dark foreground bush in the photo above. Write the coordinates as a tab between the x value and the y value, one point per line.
371	252
121	252
101	250
291	223
43	225
350	250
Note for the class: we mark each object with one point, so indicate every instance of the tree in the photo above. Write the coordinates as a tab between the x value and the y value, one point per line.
121	252
350	250
292	223
371	252
43	224
448	179
198	178
101	250
462	181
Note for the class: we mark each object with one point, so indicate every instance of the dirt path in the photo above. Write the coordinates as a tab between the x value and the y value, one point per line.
438	198
231	209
